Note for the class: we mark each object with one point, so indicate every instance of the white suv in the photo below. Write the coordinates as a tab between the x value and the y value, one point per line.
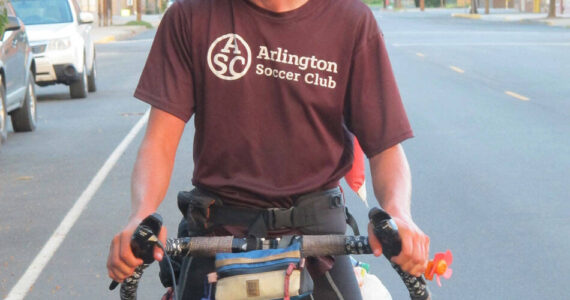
59	34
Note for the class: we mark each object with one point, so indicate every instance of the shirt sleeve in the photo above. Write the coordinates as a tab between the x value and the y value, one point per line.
374	110
166	81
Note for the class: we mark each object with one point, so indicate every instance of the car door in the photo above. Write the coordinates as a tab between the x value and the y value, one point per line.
14	53
23	51
10	58
85	32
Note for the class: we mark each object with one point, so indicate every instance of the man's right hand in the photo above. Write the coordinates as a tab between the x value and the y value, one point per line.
121	262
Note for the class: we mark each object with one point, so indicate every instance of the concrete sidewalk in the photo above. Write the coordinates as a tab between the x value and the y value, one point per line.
507	15
119	30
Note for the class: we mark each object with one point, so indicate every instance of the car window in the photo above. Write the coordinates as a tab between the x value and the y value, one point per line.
33	12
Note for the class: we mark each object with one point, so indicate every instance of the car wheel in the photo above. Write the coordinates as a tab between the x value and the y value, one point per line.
24	118
78	89
3	115
92	77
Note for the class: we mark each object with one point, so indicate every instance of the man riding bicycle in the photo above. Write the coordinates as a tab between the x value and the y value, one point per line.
277	89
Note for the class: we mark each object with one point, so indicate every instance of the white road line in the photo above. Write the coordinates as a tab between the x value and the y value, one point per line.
518	96
27	280
483	44
456	69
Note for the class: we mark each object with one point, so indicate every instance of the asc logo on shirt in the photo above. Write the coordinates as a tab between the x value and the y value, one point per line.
229	57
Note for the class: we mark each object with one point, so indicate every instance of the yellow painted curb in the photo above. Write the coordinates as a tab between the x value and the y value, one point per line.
467	16
106	39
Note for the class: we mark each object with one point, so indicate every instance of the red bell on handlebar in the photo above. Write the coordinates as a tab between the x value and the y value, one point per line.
439	266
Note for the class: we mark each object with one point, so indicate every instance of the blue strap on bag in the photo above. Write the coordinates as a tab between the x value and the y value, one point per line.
263	274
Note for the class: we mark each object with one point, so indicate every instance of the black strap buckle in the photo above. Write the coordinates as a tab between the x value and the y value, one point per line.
278	218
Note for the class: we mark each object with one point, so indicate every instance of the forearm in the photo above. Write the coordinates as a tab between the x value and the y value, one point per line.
154	164
392	181
150	180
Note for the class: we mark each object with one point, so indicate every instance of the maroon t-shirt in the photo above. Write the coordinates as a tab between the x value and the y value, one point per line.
275	96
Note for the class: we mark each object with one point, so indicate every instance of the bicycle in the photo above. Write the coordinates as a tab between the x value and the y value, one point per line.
385	229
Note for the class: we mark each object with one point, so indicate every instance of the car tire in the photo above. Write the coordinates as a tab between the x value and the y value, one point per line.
91	78
24	118
3	114
78	89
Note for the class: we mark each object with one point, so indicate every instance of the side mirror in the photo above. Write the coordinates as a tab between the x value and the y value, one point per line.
86	18
13	24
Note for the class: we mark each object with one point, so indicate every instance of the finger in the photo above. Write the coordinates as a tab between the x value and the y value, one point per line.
117	269
112	258
426	248
118	276
126	253
418	259
420	254
418	269
158	253
373	241
423	259
403	259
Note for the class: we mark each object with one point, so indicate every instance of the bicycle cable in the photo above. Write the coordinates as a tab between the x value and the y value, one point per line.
174	295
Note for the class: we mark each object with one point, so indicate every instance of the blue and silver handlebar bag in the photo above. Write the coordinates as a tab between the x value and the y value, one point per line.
263	274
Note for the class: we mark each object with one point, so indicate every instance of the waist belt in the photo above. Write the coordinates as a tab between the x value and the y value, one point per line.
309	209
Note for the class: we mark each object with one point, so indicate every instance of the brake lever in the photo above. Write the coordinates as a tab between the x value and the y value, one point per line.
386	231
143	241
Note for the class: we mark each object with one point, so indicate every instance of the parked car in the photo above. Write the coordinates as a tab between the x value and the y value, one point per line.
60	36
17	89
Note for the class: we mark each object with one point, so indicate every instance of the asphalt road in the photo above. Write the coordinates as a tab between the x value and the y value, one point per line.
490	168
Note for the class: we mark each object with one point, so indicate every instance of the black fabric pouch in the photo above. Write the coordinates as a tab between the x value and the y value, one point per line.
321	212
195	205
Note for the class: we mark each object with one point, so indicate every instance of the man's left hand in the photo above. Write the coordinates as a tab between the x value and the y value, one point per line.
414	256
